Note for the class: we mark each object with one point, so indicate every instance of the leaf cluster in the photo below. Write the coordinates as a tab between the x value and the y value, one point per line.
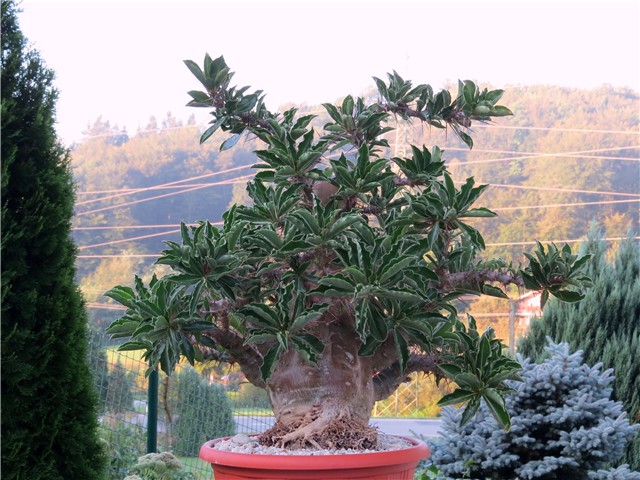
388	248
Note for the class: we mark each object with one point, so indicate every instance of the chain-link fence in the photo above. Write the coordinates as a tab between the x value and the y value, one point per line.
192	408
195	406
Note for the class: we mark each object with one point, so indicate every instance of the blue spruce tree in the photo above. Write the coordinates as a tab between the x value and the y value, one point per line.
564	426
605	325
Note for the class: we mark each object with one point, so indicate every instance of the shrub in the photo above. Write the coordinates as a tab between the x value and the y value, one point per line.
202	412
124	444
564	425
606	325
250	396
119	396
159	466
49	407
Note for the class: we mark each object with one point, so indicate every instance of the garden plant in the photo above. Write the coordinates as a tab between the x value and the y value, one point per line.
605	324
339	281
564	425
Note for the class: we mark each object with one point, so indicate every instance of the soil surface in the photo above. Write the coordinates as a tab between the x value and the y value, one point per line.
242	443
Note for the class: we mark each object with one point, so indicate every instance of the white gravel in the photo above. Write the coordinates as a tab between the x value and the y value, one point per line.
242	443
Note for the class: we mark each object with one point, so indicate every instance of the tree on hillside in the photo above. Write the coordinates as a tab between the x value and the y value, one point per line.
49	420
606	325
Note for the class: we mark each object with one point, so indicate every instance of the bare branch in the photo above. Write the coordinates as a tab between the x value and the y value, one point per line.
247	357
452	280
388	380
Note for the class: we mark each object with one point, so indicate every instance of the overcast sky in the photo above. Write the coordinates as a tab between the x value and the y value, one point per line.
123	59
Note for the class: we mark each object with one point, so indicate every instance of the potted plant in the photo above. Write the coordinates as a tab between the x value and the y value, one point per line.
340	280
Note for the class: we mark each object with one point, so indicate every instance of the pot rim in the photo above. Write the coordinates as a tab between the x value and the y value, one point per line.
417	451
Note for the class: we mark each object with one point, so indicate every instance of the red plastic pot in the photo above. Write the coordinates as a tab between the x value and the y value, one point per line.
390	465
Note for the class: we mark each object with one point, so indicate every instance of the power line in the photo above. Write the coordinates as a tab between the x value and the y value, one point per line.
575	240
142	237
224	182
105	306
131	227
557	129
496	209
516	152
155	187
123	255
521	127
315	112
546	155
528	207
246	177
551	189
502	244
135	190
170	232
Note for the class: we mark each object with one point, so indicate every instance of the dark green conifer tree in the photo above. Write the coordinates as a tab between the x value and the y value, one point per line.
605	325
49	419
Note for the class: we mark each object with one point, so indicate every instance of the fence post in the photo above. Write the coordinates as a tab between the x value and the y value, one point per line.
513	312
152	413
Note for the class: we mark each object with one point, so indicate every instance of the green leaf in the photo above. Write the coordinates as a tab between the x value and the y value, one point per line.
500	111
261	313
347	105
484	352
495	402
395	267
356	274
568	295
129	346
307	317
196	71
314	342
342	224
543	298
402	350
305	220
450	370
395	294
466	139
470	411
270	237
339	282
196	299
197	327
333	112
479	212
468	381
458	396
123	295
211	130
581	262
259	338
230	142
270	361
492	291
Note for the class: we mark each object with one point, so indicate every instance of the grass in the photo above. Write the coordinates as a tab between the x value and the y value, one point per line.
200	469
252	411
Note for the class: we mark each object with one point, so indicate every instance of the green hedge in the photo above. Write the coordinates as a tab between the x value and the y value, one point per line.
202	412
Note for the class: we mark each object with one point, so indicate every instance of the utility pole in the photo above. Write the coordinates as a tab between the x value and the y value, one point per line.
513	312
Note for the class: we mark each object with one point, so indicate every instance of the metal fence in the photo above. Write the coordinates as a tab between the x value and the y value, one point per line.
181	412
191	408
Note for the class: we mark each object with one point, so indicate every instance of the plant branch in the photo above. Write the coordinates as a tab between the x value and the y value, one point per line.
449	281
387	381
244	355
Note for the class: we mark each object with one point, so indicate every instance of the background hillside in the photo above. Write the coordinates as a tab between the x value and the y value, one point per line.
567	158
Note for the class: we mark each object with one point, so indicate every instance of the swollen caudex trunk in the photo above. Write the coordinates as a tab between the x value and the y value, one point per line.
327	405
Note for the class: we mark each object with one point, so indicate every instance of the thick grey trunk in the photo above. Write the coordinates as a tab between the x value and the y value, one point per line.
309	401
